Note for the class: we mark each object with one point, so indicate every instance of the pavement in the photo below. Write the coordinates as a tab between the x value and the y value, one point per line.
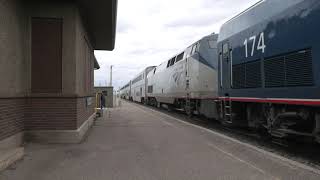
133	142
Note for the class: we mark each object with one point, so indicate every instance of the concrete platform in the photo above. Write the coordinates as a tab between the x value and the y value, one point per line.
134	142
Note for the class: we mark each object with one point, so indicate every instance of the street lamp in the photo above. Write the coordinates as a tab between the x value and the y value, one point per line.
110	83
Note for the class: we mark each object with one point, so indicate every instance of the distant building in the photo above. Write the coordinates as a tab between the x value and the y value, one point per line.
46	67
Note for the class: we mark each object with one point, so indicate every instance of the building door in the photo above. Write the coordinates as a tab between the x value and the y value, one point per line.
46	55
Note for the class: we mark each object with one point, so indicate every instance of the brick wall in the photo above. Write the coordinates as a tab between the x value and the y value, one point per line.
57	113
18	114
84	112
11	116
51	114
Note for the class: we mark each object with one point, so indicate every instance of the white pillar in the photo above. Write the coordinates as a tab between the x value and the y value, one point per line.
110	83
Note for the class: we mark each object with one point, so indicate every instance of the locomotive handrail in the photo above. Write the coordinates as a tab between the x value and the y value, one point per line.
231	73
220	59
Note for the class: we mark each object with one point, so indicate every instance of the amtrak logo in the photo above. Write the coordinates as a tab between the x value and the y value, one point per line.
177	78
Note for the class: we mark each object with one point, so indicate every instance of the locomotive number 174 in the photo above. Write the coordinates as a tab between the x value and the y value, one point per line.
260	47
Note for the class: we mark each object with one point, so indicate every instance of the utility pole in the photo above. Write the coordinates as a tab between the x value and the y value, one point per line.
110	83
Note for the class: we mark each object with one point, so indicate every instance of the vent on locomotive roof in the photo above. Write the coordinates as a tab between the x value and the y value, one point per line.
246	75
294	69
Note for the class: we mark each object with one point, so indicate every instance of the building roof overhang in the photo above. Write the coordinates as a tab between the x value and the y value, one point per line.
100	18
96	64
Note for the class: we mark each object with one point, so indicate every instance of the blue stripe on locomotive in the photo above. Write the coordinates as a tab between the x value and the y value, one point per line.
296	27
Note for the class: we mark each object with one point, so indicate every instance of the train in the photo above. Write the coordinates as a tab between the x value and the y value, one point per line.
135	89
260	72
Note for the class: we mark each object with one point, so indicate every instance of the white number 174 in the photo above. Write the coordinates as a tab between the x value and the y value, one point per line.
261	45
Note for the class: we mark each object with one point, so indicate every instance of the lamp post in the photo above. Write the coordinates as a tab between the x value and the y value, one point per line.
110	83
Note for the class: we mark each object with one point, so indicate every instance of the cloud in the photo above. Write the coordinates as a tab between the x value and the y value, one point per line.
123	27
197	21
151	32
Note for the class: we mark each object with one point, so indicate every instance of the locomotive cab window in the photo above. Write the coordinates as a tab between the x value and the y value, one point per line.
168	63
172	61
212	44
194	48
190	51
179	57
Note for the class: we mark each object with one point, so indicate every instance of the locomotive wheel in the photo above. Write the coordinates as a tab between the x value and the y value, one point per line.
170	107
153	102
188	111
316	130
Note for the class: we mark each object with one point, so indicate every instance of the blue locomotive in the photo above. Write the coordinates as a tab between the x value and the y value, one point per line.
269	69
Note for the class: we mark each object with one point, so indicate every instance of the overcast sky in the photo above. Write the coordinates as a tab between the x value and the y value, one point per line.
151	31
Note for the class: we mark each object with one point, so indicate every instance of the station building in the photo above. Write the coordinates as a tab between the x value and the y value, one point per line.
46	67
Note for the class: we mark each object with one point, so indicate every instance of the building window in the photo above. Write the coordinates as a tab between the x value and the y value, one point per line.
46	50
